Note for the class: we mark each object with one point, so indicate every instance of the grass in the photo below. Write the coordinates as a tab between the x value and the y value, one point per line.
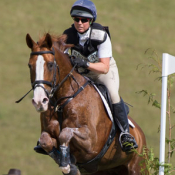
134	26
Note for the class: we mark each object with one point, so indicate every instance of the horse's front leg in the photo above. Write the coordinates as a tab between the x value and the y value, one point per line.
49	144
81	136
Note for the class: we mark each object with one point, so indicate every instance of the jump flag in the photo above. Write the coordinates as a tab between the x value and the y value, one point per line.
168	68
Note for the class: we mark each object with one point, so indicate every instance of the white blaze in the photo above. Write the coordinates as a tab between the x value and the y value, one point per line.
39	75
40	68
40	99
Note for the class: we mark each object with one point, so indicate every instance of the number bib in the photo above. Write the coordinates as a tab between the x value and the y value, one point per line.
91	58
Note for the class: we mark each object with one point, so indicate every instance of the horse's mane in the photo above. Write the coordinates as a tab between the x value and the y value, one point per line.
59	41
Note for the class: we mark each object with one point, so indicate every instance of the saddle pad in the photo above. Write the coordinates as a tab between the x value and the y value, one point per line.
108	108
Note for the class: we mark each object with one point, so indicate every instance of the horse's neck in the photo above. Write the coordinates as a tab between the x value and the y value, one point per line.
65	67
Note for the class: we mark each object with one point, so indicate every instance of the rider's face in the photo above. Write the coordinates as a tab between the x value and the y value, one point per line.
81	24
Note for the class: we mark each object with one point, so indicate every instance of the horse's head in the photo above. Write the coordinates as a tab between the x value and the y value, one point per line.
43	69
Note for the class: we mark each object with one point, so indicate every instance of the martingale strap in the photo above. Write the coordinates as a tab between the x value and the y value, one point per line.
70	97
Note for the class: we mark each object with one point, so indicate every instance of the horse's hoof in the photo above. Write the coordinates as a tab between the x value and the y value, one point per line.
40	150
66	169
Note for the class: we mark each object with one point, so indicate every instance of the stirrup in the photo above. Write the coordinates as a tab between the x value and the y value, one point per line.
128	145
39	149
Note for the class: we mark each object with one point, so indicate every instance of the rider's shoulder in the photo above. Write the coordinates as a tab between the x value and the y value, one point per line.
98	33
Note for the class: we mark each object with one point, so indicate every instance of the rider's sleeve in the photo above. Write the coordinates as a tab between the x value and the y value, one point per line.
105	49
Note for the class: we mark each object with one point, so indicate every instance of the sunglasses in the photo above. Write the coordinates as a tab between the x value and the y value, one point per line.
83	20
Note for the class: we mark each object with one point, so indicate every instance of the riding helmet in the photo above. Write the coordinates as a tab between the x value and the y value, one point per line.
84	8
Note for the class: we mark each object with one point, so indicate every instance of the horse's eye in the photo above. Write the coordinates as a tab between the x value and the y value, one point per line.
50	65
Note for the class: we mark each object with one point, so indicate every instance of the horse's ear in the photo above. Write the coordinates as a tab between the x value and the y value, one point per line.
48	40
29	41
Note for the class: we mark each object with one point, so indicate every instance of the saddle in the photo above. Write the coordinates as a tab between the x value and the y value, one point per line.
105	92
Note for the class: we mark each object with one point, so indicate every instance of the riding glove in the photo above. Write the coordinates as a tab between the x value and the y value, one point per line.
80	62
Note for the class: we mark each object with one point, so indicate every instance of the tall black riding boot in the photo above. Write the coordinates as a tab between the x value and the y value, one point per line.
126	140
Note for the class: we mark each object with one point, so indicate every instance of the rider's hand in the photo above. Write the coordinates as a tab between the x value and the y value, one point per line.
80	62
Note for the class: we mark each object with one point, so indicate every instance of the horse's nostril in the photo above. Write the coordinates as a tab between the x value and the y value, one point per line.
45	100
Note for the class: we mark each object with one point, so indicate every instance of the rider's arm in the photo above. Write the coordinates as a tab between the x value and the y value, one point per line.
101	67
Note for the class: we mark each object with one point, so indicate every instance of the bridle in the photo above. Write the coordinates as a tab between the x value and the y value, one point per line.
52	84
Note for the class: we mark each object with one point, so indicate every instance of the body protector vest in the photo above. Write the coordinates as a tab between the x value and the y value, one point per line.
98	35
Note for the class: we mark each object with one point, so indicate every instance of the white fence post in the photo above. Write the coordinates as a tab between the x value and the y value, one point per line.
168	67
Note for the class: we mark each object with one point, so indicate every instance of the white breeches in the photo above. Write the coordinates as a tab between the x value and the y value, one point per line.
110	80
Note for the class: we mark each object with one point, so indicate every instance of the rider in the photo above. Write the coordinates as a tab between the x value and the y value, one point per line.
93	56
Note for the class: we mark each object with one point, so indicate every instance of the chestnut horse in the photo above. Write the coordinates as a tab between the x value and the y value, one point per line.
76	137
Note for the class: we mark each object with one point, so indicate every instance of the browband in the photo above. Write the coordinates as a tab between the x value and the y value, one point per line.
43	52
